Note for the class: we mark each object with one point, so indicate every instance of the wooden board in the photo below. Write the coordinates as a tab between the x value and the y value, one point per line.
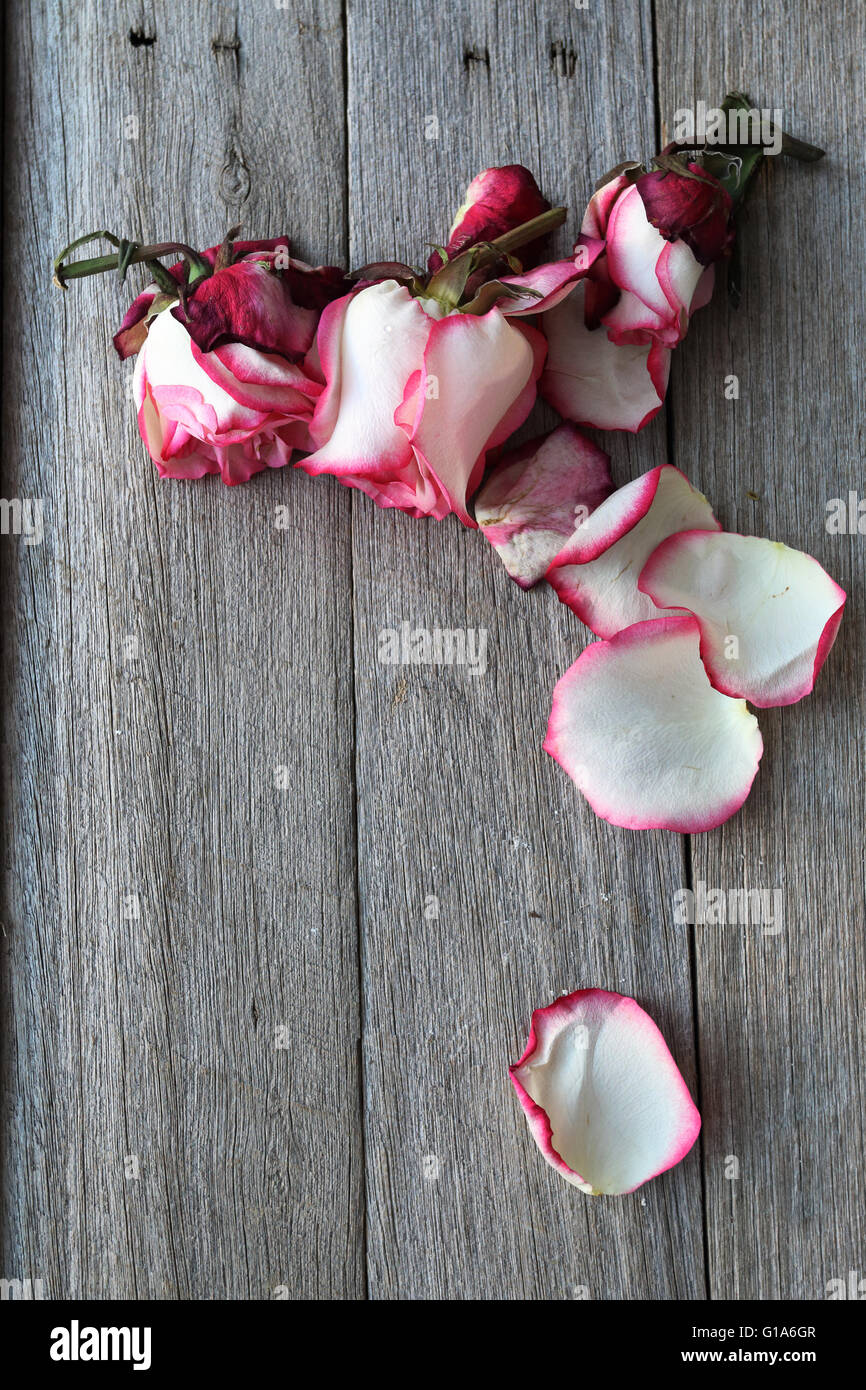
167	648
781	1013
287	1074
456	798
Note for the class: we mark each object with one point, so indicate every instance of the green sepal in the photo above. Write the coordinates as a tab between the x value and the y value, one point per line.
490	294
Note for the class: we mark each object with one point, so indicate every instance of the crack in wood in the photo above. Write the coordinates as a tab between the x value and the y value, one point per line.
139	39
474	55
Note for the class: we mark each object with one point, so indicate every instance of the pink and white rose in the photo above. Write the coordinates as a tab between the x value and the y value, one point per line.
415	396
223	383
424	374
609	343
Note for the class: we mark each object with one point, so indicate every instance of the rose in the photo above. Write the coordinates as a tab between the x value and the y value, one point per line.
415	396
424	373
609	344
222	382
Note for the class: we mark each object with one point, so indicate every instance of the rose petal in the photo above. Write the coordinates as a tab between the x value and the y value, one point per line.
697	209
633	247
593	381
249	303
597	572
780	607
263	381
537	495
553	281
646	738
174	372
604	1098
130	337
600	206
660	275
480	367
370	344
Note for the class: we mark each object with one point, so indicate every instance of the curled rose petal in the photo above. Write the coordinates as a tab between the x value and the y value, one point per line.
633	248
646	738
496	201
768	615
370	344
536	497
263	303
593	381
551	282
414	398
483	370
597	572
605	1100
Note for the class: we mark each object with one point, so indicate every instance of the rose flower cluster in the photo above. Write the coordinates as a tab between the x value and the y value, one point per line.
408	384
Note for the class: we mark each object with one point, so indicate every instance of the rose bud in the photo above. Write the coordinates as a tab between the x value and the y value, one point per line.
497	200
222	383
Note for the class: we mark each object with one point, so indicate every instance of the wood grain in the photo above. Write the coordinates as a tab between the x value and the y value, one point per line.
300	1043
456	800
781	1015
153	774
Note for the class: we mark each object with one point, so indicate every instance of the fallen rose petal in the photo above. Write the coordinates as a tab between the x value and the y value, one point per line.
768	615
593	381
646	738
605	1100
537	495
597	572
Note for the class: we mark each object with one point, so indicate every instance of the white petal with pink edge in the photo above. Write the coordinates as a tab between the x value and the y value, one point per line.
537	496
646	738
634	246
175	378
551	282
605	1100
597	572
370	344
592	380
475	370
768	615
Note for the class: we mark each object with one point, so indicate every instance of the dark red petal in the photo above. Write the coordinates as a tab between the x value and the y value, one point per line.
696	208
133	331
264	308
498	200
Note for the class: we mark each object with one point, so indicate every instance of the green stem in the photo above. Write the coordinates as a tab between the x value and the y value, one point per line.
530	231
128	253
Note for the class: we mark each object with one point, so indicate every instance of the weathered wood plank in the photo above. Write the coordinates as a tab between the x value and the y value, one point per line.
457	801
166	649
781	1013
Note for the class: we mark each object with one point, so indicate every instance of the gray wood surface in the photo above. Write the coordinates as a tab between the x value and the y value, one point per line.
781	1016
303	1037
